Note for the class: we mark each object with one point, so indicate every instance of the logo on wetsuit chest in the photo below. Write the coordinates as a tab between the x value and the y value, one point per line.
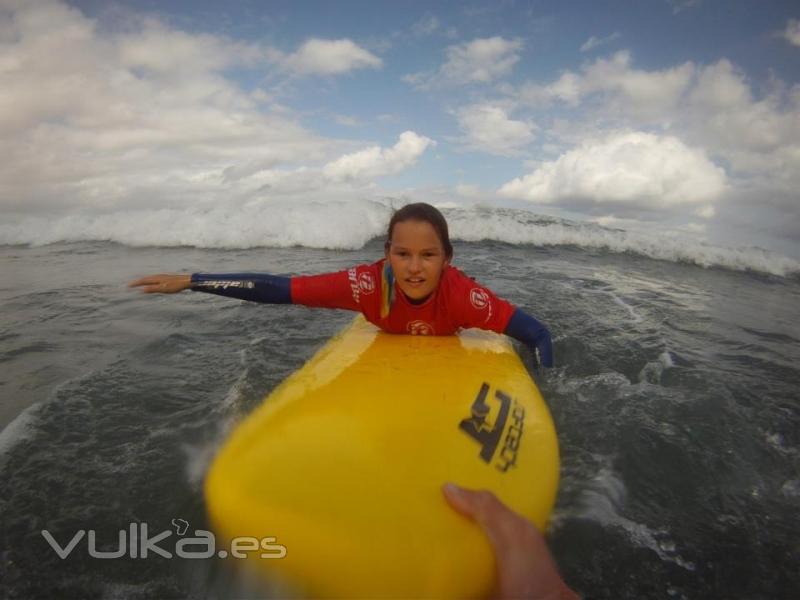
419	328
488	435
480	300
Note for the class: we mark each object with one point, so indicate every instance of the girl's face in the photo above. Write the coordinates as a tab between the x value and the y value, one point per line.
417	258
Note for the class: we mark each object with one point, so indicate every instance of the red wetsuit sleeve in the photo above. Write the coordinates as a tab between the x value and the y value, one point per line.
343	289
478	306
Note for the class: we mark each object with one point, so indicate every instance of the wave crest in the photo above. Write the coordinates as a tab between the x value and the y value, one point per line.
349	225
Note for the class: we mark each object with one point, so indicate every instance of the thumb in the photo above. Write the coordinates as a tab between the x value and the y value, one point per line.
459	499
485	509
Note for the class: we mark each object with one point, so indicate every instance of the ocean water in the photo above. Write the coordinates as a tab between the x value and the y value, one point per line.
675	394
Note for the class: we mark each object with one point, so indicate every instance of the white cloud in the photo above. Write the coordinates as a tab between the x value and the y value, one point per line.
760	138
347	120
722	104
792	32
329	57
376	161
706	212
468	190
142	116
696	227
482	60
681	5
711	107
488	128
645	93
627	172
595	42
350	171
426	26
159	49
569	88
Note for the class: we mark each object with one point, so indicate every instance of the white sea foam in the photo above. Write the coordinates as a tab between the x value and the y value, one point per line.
654	369
791	488
603	501
351	224
335	225
635	317
587	389
198	459
520	227
17	430
200	455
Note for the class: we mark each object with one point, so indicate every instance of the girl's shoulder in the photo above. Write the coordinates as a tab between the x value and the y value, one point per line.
456	276
475	304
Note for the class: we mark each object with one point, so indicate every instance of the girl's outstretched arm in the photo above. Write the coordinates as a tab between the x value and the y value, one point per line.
256	287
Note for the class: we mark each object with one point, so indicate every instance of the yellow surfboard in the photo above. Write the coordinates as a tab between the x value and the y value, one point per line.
339	472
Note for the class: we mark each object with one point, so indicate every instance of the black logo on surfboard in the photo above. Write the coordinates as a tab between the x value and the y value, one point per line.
488	435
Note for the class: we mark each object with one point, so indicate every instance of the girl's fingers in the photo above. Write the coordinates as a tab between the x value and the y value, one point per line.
151	280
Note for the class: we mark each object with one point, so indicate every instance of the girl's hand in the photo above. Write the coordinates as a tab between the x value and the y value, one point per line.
163	283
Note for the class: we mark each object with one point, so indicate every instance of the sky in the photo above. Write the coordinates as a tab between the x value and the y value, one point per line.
675	116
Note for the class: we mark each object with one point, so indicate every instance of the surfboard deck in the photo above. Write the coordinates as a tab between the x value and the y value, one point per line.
343	464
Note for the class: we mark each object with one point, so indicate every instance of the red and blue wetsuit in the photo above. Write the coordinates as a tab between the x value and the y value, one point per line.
458	302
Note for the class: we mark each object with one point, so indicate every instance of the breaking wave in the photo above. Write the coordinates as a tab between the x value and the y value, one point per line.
351	224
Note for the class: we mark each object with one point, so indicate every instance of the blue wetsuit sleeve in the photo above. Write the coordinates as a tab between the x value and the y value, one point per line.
533	334
256	287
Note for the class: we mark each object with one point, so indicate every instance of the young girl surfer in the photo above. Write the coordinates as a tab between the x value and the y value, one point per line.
413	290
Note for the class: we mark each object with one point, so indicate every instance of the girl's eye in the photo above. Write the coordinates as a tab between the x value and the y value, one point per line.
425	254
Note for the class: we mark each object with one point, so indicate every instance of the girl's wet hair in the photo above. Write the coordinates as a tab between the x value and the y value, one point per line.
421	211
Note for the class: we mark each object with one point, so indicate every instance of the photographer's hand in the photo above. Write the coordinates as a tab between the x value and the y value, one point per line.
525	567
